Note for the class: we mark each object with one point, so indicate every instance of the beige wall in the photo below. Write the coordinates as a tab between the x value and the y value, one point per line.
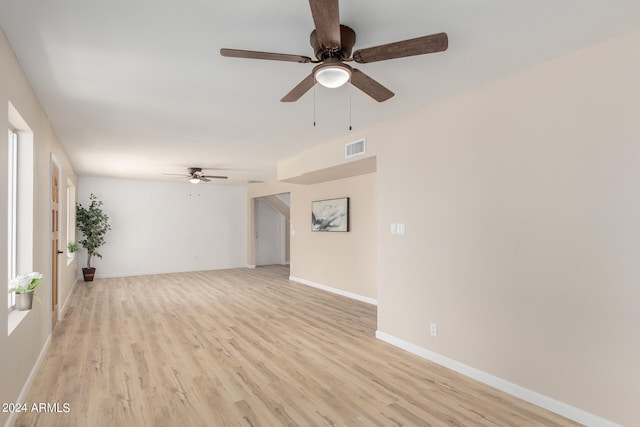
344	261
521	203
20	350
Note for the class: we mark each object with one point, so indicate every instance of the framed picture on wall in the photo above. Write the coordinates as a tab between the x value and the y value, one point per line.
330	215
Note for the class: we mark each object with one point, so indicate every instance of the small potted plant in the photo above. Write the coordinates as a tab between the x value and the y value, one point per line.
93	223
72	248
24	287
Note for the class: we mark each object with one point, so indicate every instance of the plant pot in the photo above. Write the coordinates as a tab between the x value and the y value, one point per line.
24	301
88	274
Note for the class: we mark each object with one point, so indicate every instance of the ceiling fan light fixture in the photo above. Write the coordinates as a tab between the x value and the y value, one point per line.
194	180
333	76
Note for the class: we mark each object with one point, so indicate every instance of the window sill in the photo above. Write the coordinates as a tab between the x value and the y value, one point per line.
15	317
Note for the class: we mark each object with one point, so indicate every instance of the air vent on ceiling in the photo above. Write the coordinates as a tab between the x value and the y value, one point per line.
356	148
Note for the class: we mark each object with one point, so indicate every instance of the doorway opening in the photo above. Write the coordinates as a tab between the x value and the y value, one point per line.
271	230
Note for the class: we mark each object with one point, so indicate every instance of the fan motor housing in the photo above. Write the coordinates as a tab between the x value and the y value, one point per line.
347	41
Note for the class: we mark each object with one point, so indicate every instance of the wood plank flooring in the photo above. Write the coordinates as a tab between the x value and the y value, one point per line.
246	348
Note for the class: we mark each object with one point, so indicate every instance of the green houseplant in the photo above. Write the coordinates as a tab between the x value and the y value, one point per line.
72	248
93	223
24	287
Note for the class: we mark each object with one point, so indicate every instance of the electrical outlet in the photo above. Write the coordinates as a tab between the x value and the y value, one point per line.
433	328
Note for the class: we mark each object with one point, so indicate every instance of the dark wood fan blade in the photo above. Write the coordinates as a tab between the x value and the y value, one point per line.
418	46
302	88
215	177
326	17
250	54
203	179
370	86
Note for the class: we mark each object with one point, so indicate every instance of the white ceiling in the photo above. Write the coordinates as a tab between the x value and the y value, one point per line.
135	89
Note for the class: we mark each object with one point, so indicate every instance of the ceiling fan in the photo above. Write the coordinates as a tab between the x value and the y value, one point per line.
332	44
195	175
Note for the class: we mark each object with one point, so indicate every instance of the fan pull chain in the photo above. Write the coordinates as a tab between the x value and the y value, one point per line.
314	105
350	89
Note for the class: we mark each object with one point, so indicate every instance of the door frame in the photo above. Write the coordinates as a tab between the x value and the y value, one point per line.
54	161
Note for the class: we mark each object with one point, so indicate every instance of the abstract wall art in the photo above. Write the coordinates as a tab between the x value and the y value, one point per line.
330	215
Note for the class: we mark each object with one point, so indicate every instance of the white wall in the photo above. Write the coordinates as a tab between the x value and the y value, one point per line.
162	227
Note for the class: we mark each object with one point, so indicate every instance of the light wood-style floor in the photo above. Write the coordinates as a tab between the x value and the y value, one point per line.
248	348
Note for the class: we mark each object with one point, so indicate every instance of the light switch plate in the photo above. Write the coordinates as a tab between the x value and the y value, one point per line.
401	228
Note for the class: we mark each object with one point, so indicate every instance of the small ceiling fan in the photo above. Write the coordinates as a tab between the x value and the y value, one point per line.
195	175
332	44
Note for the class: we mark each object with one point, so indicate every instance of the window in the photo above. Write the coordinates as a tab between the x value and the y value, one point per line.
13	210
20	191
71	215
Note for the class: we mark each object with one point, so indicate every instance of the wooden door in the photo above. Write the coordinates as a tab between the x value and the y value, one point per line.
55	223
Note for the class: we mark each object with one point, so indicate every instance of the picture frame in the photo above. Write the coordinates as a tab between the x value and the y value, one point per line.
330	215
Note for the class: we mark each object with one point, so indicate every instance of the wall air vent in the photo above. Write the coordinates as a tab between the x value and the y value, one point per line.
356	148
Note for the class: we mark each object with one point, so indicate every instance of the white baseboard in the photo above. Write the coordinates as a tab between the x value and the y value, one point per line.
251	266
351	295
531	396
27	383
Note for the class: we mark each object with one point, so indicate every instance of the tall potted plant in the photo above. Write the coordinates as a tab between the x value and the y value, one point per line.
93	223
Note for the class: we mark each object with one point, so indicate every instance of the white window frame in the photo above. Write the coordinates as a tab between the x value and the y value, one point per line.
71	218
20	208
12	267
